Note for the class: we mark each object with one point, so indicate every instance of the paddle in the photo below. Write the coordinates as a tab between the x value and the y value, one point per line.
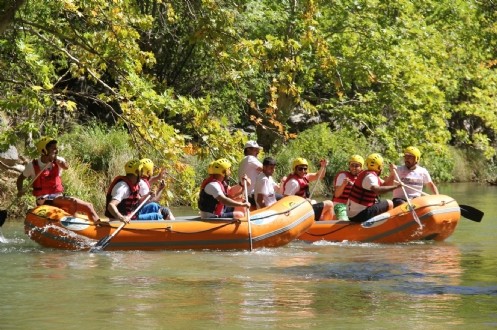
248	213
3	213
467	211
102	244
315	185
414	214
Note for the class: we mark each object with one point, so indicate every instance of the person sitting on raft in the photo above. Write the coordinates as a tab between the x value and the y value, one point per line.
213	200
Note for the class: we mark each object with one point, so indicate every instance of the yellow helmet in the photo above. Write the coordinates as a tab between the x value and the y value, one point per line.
299	161
42	143
374	162
356	159
220	166
147	167
134	167
413	151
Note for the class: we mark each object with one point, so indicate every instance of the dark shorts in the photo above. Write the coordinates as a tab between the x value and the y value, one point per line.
318	210
398	201
251	200
368	213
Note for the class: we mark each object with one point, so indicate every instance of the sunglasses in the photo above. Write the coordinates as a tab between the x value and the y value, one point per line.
300	169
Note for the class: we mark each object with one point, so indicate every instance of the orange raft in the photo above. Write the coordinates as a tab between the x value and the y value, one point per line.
269	227
439	215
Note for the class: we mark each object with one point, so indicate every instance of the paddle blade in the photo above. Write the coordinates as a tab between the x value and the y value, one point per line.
471	213
101	244
3	216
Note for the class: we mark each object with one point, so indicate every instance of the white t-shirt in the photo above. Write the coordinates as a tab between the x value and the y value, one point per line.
340	178
369	180
265	185
120	191
249	166
144	188
291	187
415	178
29	171
214	189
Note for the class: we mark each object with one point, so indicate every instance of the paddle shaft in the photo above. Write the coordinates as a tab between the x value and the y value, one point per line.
316	184
248	214
101	244
467	211
414	214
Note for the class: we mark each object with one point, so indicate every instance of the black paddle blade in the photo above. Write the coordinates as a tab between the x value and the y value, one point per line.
101	244
3	217
471	213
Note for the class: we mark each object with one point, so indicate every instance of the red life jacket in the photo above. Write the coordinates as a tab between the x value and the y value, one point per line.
361	195
346	191
206	202
128	205
303	184
48	182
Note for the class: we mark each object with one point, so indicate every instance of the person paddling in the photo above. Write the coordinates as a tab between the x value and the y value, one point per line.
413	175
148	179
214	191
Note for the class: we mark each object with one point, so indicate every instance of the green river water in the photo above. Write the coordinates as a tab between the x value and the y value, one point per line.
447	285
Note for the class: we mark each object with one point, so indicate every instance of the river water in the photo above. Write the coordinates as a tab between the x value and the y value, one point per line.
451	284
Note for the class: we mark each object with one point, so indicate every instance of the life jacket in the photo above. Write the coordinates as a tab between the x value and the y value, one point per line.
303	184
48	182
128	205
361	195
346	191
206	202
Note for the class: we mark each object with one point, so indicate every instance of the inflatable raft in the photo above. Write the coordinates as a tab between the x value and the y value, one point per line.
270	227
438	214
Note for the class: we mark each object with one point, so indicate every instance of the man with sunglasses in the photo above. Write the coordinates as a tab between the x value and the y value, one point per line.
297	183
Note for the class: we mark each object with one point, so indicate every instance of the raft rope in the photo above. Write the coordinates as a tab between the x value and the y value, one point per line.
169	227
397	215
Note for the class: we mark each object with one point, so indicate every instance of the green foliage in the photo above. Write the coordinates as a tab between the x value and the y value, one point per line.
96	145
184	77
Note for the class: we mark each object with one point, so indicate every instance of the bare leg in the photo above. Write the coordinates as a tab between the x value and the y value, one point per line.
73	205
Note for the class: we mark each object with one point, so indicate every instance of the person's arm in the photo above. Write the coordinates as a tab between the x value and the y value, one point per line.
342	181
112	208
432	187
158	177
62	163
319	174
384	189
230	202
260	202
391	177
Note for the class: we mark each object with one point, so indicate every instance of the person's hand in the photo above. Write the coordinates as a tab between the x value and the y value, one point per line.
246	178
162	185
162	173
123	218
392	167
246	204
323	162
